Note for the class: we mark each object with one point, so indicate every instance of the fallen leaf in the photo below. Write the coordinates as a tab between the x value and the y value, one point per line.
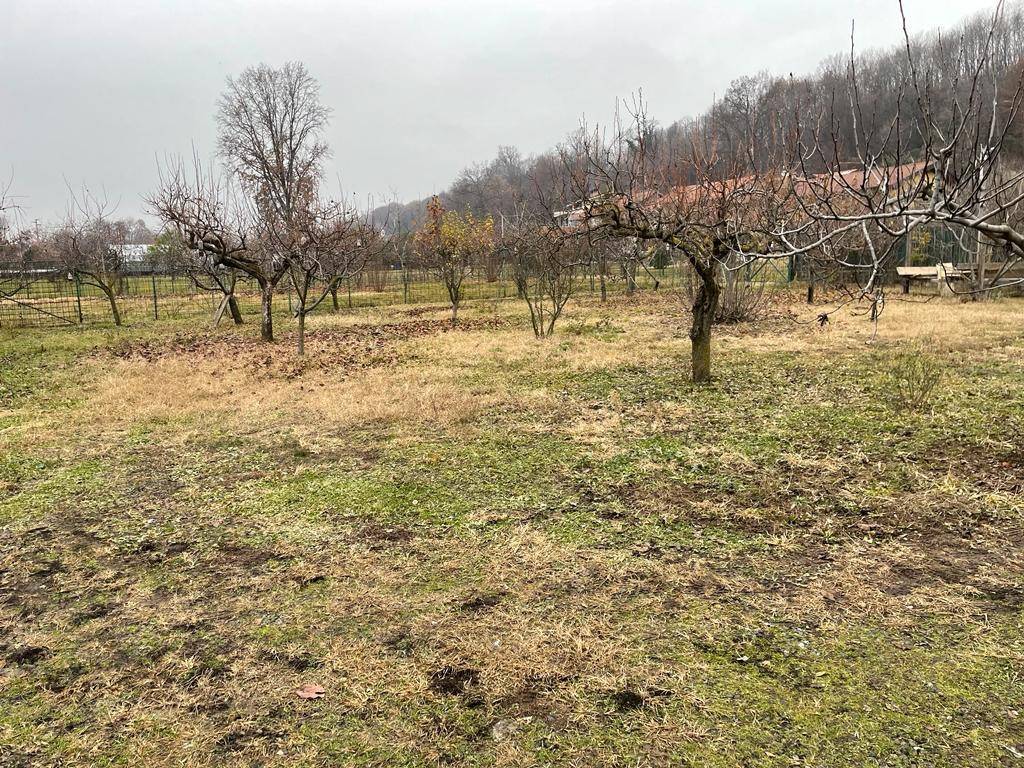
310	691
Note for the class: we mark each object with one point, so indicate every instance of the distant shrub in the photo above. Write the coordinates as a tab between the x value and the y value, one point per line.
911	377
603	329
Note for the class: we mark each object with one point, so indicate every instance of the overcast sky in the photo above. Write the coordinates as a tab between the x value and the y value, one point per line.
98	91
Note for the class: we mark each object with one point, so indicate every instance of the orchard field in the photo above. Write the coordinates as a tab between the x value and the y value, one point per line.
465	546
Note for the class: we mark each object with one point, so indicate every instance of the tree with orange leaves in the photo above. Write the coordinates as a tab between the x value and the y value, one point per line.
451	243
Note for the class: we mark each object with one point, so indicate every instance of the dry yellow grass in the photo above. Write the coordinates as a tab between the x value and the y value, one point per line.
945	323
167	390
428	385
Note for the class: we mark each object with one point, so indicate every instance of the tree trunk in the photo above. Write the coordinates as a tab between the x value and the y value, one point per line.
604	287
334	296
266	317
302	332
629	272
705	304
980	264
114	311
981	256
454	296
236	313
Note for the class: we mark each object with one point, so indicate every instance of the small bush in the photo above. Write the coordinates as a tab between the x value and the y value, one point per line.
603	329
745	295
911	377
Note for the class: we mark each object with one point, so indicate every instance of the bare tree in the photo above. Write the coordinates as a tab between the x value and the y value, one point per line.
220	237
328	243
92	247
270	124
6	205
401	247
716	201
8	210
944	159
545	262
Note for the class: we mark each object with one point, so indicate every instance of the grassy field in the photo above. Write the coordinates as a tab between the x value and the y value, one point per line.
489	550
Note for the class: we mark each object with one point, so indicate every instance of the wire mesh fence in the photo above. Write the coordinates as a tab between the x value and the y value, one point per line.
48	296
37	297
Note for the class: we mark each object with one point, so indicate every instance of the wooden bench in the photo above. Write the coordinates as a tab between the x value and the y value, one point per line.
940	274
995	273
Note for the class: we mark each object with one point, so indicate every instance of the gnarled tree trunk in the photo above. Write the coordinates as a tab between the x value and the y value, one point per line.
115	311
705	304
236	313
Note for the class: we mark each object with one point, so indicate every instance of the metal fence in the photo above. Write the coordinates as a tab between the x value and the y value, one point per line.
45	295
48	296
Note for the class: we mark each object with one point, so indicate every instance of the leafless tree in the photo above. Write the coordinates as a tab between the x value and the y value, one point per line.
270	124
716	204
92	246
329	242
545	262
943	159
7	209
219	236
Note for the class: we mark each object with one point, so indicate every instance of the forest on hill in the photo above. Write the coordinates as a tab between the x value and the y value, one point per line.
772	107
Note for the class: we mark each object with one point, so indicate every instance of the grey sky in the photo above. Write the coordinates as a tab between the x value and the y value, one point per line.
96	91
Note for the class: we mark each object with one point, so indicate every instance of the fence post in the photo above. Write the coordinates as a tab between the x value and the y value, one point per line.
152	277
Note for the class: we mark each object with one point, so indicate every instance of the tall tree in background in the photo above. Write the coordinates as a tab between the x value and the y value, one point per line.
269	123
7	206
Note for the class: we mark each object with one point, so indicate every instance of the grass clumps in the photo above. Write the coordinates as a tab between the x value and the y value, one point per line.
488	550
